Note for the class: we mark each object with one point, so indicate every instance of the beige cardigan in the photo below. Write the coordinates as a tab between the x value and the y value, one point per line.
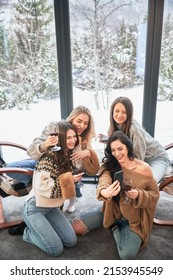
140	213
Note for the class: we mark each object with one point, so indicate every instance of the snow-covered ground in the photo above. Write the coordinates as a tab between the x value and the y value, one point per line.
24	126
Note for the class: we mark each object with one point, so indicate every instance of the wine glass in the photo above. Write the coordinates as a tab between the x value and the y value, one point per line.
53	131
127	186
78	166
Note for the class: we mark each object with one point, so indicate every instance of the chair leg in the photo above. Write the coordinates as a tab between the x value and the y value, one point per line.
3	223
163	222
2	219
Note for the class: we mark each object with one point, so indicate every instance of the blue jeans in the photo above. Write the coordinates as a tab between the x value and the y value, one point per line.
78	185
93	219
159	167
128	242
47	228
26	163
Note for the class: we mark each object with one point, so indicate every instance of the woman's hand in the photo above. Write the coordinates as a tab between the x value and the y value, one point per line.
133	193
112	190
50	141
103	138
78	177
79	155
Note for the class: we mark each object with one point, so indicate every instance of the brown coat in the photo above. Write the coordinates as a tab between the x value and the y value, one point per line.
140	213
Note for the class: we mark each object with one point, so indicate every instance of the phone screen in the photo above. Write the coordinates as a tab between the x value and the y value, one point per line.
118	176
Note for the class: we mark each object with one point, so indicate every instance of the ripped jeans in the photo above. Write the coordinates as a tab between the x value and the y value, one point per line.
128	242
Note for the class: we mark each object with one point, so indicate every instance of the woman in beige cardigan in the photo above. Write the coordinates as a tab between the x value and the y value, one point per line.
45	225
131	222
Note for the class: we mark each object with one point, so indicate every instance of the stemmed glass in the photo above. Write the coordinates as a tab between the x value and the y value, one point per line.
78	166
127	186
53	131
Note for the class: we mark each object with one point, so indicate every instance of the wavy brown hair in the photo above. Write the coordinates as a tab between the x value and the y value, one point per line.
129	111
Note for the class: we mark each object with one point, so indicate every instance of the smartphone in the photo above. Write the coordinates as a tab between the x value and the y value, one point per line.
104	138
118	176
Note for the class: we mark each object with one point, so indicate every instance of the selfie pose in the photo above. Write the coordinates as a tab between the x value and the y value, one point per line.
145	147
129	204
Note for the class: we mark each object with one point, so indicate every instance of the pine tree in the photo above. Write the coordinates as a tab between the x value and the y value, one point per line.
165	91
33	64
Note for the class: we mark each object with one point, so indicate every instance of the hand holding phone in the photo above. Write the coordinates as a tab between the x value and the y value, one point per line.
118	176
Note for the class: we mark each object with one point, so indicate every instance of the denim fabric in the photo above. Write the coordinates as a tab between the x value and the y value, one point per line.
159	167
78	185
26	163
93	219
128	242
47	228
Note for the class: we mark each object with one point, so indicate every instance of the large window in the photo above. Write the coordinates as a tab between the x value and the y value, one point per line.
164	116
29	86
108	40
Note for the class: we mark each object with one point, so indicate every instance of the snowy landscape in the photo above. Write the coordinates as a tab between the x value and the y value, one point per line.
23	126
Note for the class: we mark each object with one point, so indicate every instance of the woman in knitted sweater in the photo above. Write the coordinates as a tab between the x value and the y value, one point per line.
46	226
83	121
131	222
145	147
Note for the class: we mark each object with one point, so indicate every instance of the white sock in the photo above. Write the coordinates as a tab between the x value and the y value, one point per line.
70	207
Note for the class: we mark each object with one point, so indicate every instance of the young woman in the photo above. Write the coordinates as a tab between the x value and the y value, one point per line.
82	119
145	147
129	213
53	182
84	155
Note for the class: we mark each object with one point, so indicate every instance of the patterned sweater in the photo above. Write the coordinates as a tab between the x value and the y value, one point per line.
140	213
91	163
49	182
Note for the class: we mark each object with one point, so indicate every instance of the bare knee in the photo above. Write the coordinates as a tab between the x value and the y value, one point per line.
79	227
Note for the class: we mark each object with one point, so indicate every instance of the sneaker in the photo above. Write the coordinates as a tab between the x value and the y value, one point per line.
6	186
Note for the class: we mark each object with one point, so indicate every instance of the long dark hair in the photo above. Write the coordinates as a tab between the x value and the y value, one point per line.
62	157
129	111
110	162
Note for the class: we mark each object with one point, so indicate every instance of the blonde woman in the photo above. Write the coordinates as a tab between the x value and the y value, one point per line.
82	120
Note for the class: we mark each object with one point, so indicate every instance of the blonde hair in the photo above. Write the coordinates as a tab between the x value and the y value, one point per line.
89	132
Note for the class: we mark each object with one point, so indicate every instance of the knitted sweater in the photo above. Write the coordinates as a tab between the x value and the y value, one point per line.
144	145
140	213
91	163
49	182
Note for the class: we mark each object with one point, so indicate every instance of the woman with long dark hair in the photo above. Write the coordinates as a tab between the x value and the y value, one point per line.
145	147
44	224
129	205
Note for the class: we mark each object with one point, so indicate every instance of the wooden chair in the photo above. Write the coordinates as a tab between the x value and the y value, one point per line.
166	182
4	169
